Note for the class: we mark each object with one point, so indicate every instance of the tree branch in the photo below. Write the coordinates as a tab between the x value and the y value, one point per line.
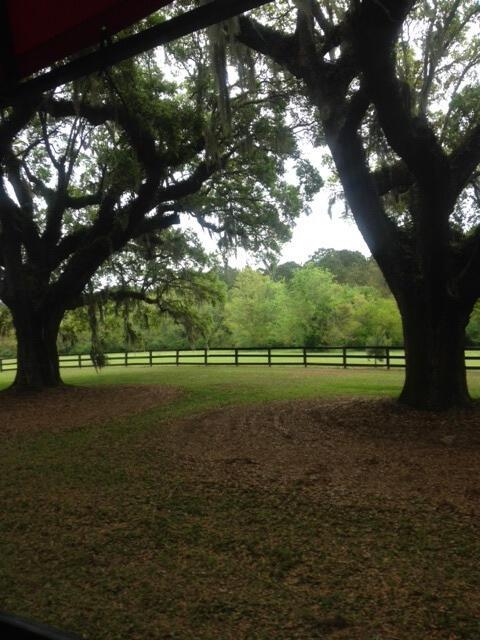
193	183
96	115
384	239
321	19
89	248
394	177
15	123
82	237
376	29
114	295
38	186
20	186
356	109
157	222
21	223
281	47
465	159
81	202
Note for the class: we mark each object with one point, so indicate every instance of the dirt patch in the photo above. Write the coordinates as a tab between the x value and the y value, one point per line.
70	407
352	449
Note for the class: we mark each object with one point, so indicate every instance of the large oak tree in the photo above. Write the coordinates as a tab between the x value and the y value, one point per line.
109	164
395	87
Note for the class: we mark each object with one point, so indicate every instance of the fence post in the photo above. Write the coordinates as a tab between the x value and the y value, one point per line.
150	358
1	364
126	358
269	357
236	357
79	360
304	356
205	357
177	357
344	355
387	353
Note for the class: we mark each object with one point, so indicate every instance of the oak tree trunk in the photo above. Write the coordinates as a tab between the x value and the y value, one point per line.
435	375
37	355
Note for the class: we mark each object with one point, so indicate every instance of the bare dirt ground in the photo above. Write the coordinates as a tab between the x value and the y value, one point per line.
70	407
361	448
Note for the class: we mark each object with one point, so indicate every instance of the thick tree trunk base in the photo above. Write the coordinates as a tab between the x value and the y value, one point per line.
435	375
36	376
22	387
37	356
431	400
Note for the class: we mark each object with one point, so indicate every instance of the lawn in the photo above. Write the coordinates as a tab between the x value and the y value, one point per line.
258	503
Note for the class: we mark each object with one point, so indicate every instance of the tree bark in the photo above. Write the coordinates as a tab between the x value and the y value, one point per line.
434	339
37	355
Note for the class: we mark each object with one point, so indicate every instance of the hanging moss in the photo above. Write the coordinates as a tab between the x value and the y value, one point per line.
97	353
218	58
242	57
223	41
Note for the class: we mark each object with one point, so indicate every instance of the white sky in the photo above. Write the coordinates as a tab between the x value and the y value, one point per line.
318	230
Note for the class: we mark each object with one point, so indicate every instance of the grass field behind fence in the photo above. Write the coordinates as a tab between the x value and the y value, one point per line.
345	357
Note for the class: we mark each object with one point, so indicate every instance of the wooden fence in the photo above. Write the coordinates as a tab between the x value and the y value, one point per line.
343	356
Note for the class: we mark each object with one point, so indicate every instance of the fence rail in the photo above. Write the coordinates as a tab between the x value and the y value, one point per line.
329	356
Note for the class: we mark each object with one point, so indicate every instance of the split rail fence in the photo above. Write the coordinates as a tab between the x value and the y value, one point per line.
343	357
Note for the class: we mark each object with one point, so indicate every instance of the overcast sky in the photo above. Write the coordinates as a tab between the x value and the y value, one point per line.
318	230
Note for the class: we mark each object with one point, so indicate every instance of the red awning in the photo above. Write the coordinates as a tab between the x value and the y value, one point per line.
36	34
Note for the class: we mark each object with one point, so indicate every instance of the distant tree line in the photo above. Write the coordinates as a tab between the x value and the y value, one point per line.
336	297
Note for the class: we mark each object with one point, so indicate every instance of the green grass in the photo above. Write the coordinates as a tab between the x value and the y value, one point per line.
103	534
213	386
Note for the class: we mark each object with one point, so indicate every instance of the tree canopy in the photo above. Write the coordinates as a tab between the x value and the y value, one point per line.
108	165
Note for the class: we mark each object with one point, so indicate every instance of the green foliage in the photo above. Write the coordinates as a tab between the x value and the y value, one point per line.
97	353
253	313
7	339
285	270
350	267
310	180
170	285
114	161
309	308
315	304
377	320
473	328
222	307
